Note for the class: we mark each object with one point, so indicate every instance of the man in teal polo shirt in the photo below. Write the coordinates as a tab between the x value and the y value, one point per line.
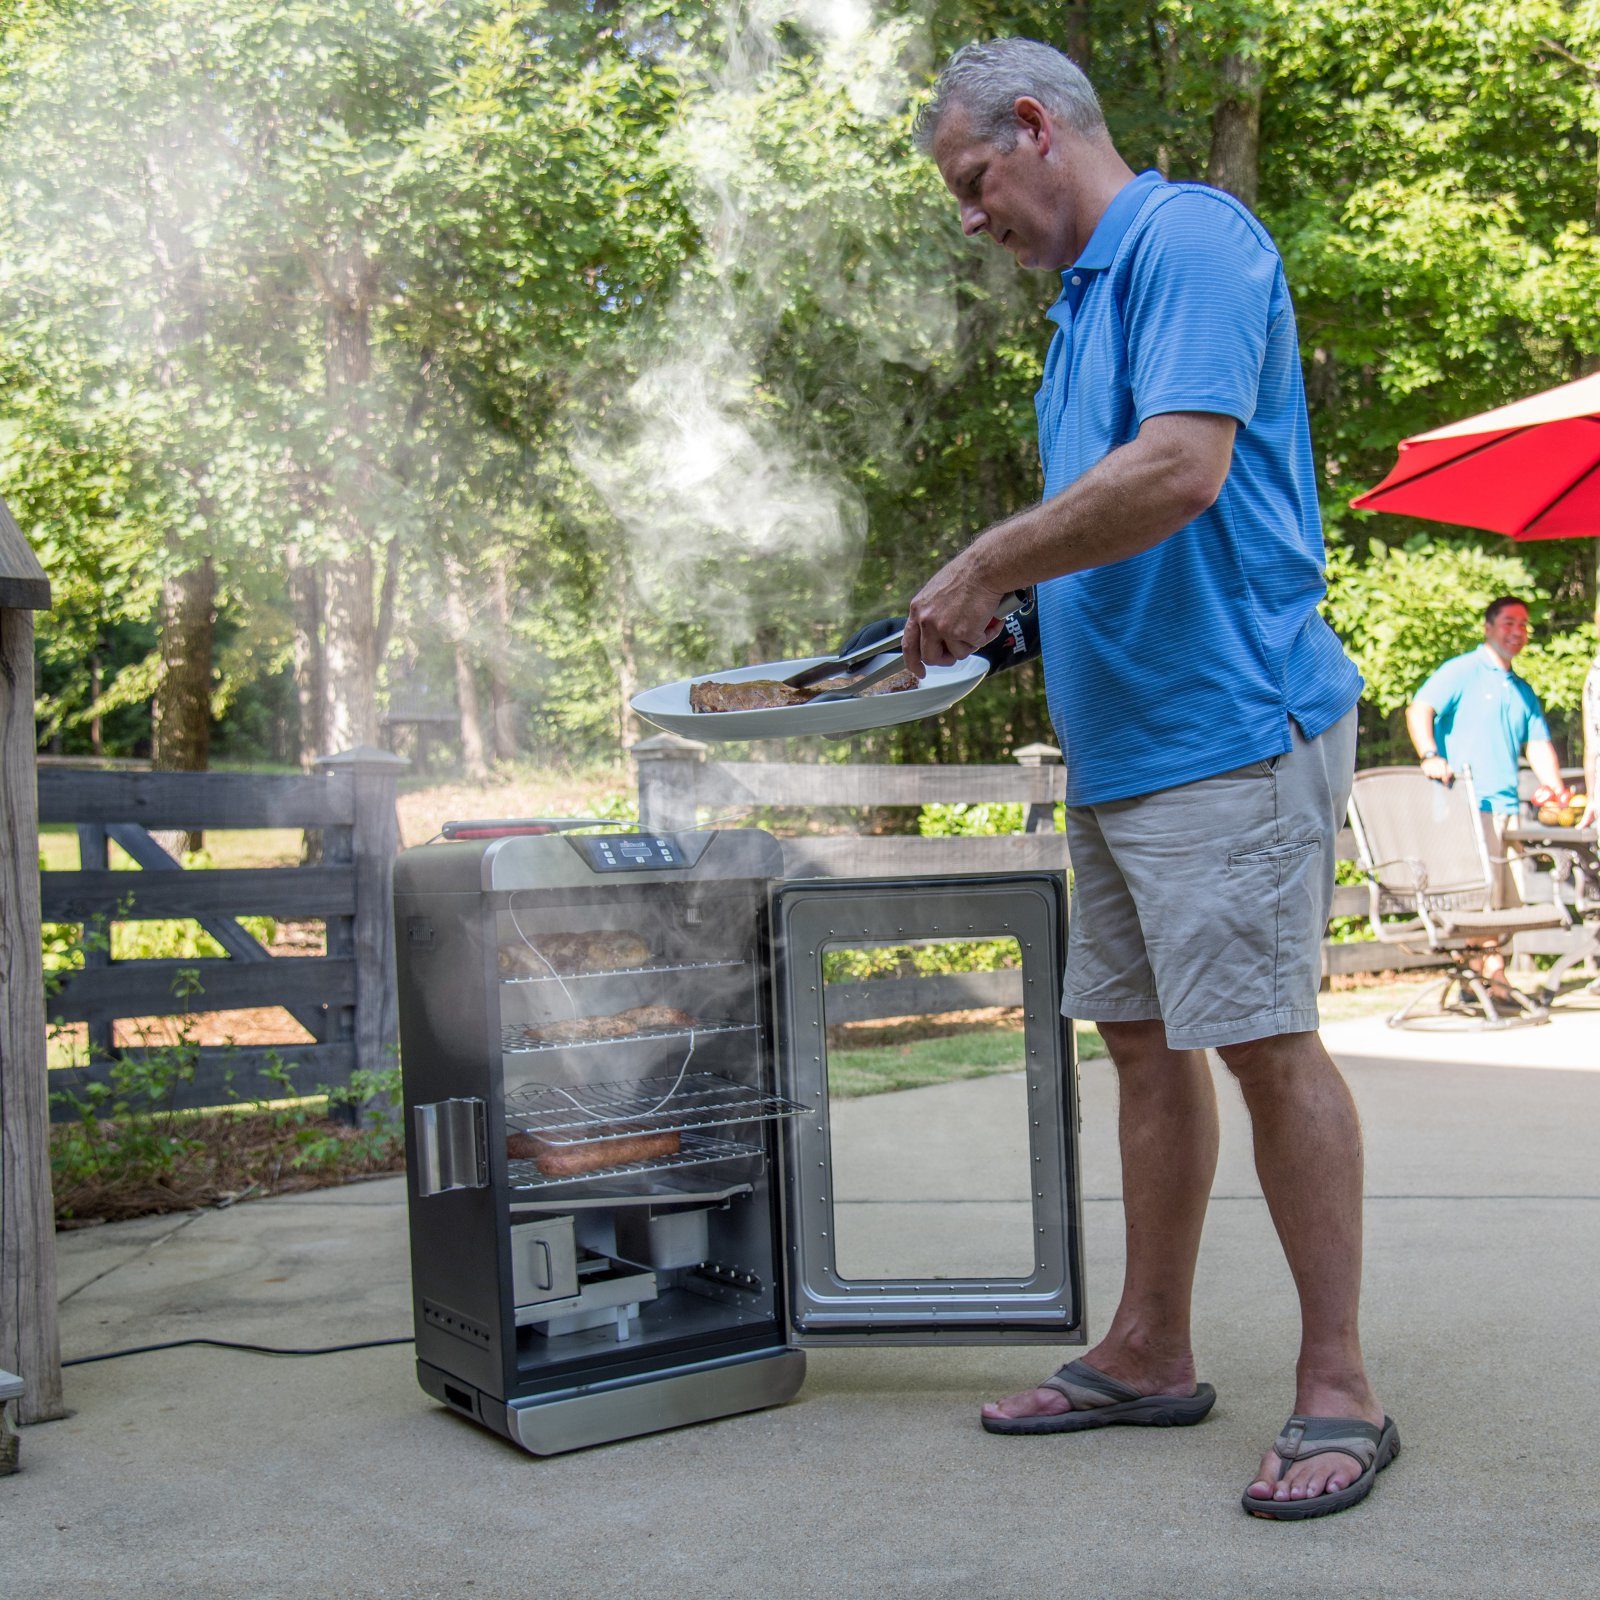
1474	714
1206	713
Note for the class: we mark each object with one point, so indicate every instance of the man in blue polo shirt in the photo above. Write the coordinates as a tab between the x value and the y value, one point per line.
1206	713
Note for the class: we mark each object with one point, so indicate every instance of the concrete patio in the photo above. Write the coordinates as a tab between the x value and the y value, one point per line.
203	1472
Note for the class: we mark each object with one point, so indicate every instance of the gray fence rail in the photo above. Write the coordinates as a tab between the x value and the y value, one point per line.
345	999
677	783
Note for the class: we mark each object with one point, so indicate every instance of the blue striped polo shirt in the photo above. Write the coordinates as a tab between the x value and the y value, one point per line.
1188	659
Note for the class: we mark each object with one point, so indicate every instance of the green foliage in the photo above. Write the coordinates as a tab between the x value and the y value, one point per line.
1407	608
372	1099
856	963
127	1151
986	819
669	324
1555	666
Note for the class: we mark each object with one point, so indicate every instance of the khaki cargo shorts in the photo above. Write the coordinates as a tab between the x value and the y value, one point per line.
1204	906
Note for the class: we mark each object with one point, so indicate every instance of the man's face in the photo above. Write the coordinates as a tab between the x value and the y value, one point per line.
1015	196
1508	632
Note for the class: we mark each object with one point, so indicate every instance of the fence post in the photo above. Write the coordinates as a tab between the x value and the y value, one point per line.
30	1342
374	1024
94	856
669	767
1041	814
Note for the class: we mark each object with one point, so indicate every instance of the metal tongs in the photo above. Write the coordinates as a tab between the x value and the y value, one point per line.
860	685
864	653
850	659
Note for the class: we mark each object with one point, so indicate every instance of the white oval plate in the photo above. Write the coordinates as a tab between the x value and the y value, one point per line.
667	706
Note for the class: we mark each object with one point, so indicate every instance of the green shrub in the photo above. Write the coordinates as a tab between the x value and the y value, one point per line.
986	819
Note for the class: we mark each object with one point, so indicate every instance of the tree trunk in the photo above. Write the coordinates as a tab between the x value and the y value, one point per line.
96	726
502	710
180	714
1077	33
467	704
310	669
350	621
1164	48
352	705
1236	129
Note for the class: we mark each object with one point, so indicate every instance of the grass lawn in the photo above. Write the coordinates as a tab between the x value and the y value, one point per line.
916	1062
919	1062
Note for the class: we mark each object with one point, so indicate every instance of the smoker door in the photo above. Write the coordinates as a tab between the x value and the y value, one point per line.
932	1195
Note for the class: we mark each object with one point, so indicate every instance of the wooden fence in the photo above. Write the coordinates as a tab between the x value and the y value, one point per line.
345	998
677	784
30	1344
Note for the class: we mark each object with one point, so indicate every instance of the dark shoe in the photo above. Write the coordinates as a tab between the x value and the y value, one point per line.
1101	1401
1303	1437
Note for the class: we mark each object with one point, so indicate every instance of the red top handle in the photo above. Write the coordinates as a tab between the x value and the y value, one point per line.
509	827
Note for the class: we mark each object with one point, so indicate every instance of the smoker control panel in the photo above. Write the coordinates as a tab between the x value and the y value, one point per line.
629	852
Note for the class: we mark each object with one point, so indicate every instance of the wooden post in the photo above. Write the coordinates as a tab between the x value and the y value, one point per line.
30	1344
1041	815
669	766
374	1020
94	856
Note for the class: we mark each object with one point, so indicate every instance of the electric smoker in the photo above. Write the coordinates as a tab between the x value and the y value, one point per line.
642	1178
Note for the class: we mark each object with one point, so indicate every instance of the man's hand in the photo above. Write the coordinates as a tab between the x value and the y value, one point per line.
1437	768
953	614
1591	813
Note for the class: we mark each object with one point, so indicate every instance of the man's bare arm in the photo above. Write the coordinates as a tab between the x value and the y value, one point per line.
1140	494
1545	763
1419	724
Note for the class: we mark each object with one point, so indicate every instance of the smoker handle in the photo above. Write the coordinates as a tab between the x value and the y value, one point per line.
547	1281
452	1146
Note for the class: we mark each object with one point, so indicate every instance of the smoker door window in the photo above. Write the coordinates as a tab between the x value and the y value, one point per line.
928	1120
933	1194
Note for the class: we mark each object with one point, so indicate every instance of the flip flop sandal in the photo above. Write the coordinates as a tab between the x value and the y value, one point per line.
1101	1401
1304	1437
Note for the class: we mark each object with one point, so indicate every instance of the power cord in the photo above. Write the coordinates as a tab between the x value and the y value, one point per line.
229	1344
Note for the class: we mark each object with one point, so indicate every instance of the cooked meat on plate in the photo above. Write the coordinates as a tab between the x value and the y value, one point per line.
764	694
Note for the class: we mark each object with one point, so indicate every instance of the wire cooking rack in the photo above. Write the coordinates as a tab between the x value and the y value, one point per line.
514	1039
587	1113
694	1150
620	972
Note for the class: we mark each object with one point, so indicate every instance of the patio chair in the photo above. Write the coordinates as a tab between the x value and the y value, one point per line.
1423	853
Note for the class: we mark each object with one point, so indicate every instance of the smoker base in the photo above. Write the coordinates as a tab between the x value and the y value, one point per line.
669	1399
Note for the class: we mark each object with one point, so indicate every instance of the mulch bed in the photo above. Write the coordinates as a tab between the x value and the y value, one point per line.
225	1157
906	1030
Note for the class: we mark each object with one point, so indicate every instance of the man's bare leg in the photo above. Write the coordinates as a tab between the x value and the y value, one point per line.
1308	1157
1167	1128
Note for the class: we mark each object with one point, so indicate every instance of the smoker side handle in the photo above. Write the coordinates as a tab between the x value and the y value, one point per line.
452	1146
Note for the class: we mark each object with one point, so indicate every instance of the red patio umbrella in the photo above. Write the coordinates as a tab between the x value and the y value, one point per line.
1530	469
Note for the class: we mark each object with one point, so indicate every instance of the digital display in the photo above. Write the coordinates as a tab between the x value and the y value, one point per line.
629	852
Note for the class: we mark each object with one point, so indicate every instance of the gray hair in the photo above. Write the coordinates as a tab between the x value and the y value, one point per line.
987	80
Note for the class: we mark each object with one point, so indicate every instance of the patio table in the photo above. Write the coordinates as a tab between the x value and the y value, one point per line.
1581	848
